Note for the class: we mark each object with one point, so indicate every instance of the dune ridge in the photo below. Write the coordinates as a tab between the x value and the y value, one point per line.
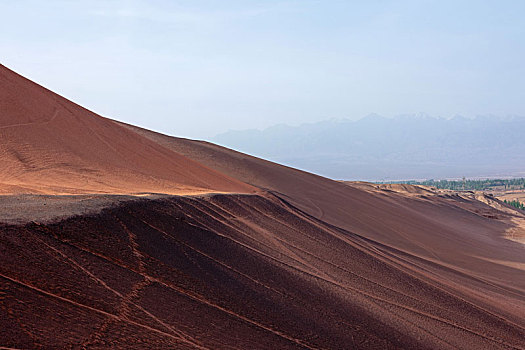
52	146
233	251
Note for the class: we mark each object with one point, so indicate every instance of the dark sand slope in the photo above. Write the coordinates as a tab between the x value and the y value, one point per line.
227	271
297	261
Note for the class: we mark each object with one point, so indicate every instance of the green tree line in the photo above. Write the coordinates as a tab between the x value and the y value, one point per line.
470	185
515	203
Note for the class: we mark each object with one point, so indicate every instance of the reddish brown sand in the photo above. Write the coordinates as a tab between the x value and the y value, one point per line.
279	259
51	145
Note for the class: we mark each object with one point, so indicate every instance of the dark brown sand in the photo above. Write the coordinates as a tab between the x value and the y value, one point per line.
260	256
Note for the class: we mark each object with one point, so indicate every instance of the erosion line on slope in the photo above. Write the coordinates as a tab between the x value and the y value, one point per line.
317	257
217	261
437	319
12	315
213	259
124	310
367	245
55	113
41	291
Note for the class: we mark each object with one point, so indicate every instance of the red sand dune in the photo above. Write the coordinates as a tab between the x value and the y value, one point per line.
51	145
291	260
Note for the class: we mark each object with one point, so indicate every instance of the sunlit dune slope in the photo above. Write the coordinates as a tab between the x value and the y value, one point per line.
51	145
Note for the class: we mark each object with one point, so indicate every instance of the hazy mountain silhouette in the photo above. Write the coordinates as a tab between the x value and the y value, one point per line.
404	147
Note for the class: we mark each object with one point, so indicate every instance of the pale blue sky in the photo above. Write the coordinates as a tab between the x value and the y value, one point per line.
197	68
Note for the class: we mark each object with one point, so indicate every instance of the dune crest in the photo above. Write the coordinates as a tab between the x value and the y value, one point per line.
233	251
53	146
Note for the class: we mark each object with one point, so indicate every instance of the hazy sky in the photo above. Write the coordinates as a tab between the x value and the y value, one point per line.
197	68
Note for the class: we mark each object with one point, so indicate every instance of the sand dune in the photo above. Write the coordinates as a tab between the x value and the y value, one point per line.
53	146
443	228
260	256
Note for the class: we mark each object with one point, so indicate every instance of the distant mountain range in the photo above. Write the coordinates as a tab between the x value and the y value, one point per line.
404	147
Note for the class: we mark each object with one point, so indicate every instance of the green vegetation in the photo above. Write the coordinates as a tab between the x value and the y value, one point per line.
516	204
471	185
